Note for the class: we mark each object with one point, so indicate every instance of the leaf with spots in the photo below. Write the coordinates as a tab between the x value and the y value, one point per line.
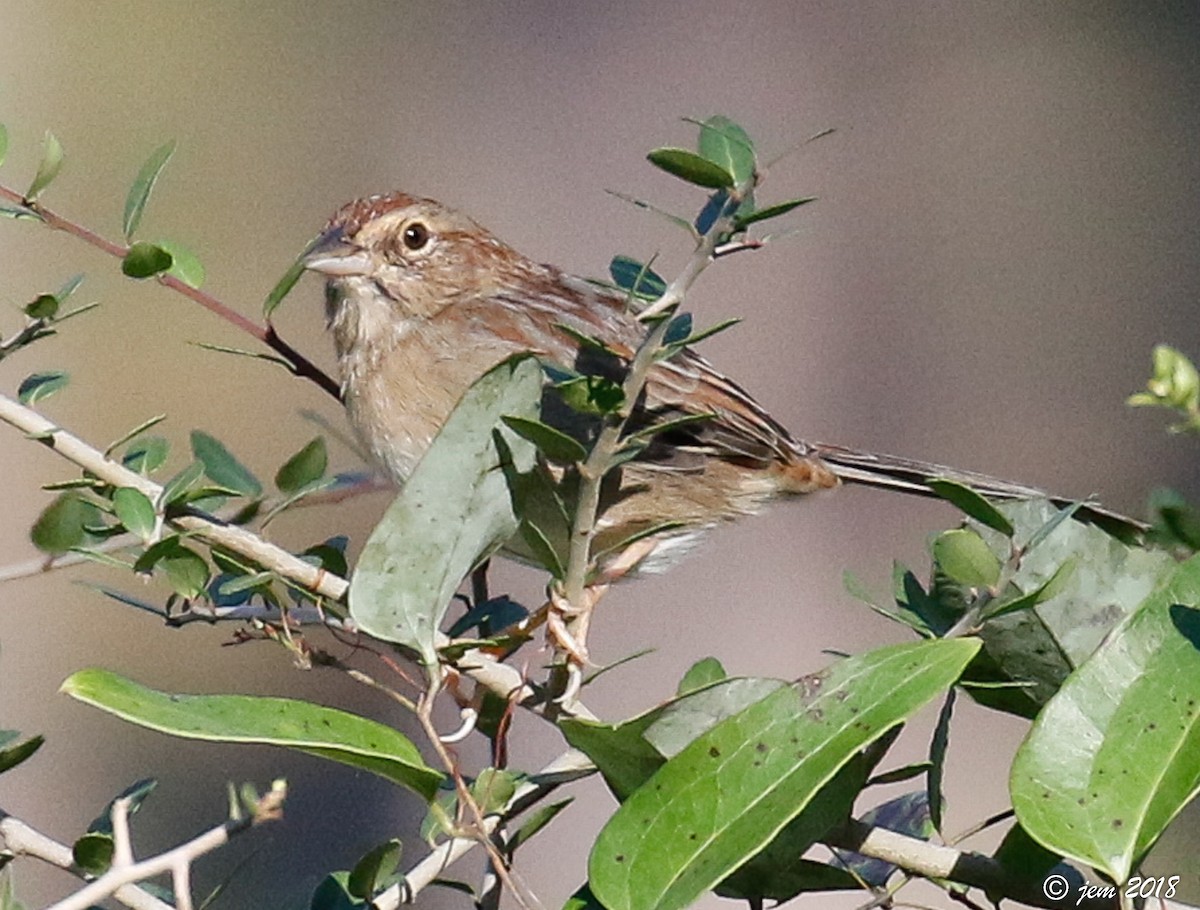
730	791
299	725
1115	755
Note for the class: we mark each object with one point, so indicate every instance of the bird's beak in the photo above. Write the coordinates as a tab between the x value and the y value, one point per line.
333	254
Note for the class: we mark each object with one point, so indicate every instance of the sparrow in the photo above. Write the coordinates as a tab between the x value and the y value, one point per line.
421	301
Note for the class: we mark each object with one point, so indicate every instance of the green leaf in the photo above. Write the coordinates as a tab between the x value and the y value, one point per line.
135	432
179	485
62	524
1041	646
11	756
374	869
3	142
48	167
135	510
222	468
93	852
1048	589
39	386
305	467
145	259
591	394
728	146
334	894
536	820
288	281
453	512
691	167
184	264
1115	755
972	504
965	558
143	185
702	673
44	306
310	728
186	570
741	222
554	444
730	791
636	277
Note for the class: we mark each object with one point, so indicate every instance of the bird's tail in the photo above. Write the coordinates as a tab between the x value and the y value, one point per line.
905	475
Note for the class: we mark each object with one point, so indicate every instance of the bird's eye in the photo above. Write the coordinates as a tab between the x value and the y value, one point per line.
415	236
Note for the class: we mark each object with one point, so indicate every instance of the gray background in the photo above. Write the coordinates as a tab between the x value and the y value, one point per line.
1007	224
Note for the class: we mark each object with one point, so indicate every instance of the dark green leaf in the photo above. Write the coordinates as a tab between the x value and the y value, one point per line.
554	444
453	512
143	185
333	894
62	524
39	386
535	822
375	868
901	774
678	329
135	511
305	467
728	146
288	281
135	794
93	852
907	814
145	259
697	337
1142	688
48	167
741	222
702	673
179	485
184	264
965	558
939	745
972	504
186	570
636	277
11	756
592	395
222	468
314	729
542	549
44	306
1048	589
691	167
730	791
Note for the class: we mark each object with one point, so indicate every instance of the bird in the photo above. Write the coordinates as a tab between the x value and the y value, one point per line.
421	301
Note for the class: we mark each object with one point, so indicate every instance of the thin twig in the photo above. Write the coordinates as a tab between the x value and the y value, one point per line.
266	334
21	839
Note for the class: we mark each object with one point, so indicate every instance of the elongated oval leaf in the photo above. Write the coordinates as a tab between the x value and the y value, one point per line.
1115	755
771	211
454	511
143	185
554	444
221	467
729	792
727	145
287	281
63	524
48	167
134	510
304	467
310	728
39	386
972	504
691	167
965	558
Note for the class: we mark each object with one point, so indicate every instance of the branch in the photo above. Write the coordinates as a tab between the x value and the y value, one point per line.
23	840
177	861
485	670
935	861
266	334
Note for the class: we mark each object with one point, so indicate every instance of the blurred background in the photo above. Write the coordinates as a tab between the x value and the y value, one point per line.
1007	223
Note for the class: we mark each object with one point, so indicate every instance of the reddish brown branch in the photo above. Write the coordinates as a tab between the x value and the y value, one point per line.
266	334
